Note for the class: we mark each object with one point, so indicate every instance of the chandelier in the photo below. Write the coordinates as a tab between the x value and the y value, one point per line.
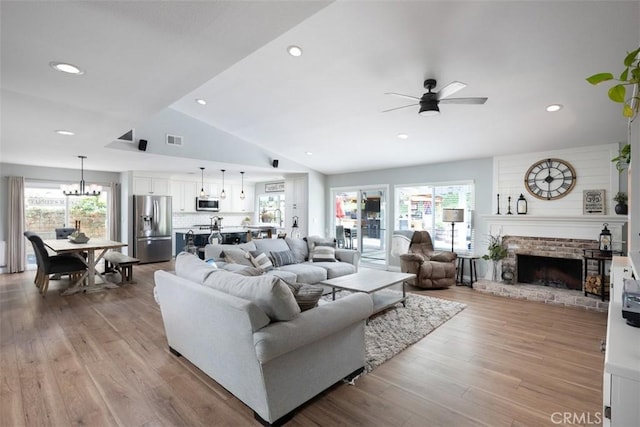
81	189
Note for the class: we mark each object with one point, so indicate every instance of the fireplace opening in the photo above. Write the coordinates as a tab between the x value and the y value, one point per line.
565	273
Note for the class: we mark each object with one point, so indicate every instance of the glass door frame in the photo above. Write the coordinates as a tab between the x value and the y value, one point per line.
382	229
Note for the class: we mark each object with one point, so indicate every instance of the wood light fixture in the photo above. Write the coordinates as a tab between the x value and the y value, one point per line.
452	216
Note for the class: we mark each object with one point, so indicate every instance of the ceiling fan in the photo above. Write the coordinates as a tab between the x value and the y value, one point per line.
430	100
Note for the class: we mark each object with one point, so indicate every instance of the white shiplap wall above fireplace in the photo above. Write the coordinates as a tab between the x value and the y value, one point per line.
594	171
561	218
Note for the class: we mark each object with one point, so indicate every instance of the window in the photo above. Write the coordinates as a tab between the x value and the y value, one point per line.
46	209
271	209
419	207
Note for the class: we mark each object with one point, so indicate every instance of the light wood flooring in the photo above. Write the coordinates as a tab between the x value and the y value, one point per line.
102	359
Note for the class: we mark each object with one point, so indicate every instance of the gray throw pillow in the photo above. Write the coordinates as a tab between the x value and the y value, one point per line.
261	260
283	258
299	248
307	296
236	256
322	253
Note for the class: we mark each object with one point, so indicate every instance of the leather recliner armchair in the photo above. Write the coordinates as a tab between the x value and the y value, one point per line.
433	269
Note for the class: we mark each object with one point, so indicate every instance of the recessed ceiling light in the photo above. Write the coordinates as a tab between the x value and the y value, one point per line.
294	50
201	101
308	153
554	107
66	68
65	132
403	136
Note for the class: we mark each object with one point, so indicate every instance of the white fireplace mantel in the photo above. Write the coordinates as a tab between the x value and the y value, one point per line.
565	227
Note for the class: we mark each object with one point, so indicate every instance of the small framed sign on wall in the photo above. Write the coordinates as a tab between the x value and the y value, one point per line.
274	187
593	202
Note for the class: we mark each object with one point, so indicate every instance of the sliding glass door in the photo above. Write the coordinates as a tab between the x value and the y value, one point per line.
359	216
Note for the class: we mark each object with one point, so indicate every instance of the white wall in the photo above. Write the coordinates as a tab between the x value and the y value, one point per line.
594	171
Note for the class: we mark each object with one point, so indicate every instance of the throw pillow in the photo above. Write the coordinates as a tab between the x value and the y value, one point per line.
261	260
307	296
236	256
313	241
268	292
283	258
193	268
299	248
323	253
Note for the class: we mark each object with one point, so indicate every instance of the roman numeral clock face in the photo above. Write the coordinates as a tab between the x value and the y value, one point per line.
550	179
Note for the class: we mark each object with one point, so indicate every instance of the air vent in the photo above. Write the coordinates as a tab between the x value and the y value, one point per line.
174	140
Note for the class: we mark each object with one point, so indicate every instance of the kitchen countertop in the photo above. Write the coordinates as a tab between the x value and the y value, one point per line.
195	230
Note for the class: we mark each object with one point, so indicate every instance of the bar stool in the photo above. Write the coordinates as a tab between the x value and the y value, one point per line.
473	270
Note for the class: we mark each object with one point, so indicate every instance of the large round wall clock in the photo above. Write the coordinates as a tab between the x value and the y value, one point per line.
550	179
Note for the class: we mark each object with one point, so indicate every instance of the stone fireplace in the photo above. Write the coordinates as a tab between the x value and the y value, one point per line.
554	262
556	245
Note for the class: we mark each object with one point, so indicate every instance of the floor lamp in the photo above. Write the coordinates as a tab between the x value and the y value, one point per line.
452	216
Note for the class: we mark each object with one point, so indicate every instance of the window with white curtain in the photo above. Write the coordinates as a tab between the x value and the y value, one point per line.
46	209
420	207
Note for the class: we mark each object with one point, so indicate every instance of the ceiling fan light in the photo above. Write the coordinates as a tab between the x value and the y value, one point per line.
429	110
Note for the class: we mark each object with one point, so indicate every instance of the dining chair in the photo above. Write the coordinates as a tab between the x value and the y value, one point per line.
340	236
63	264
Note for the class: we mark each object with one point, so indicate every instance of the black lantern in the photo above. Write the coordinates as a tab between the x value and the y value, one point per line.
521	205
605	240
295	229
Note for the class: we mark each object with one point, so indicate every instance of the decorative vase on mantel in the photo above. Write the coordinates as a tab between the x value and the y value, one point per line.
621	209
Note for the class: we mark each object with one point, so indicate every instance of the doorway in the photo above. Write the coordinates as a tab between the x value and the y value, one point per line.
359	218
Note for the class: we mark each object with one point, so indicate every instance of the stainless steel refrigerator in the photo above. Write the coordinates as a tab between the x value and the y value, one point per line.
152	228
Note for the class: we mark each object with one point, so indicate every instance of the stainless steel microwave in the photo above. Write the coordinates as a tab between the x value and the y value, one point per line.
210	204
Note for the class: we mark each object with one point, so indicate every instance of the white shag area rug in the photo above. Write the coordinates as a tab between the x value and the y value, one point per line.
391	331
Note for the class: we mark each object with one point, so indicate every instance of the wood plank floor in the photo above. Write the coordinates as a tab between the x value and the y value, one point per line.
102	359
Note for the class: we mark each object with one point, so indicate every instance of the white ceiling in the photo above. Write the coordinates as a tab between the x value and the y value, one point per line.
142	57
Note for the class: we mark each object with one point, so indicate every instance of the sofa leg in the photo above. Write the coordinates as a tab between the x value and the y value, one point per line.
279	422
351	378
174	352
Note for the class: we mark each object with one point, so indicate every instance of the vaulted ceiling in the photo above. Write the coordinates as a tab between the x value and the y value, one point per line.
141	58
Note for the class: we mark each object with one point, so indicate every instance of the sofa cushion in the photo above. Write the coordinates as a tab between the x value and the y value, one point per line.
249	271
283	258
336	269
268	292
236	256
306	272
299	248
307	296
192	268
270	245
322	253
261	260
287	276
213	250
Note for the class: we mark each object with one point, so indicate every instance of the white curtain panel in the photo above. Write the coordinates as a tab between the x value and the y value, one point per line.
115	232
15	237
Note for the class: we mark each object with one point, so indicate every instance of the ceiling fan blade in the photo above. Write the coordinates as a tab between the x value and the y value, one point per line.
450	89
402	96
463	101
399	108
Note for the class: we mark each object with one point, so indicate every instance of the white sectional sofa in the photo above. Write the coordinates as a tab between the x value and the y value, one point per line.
303	270
248	334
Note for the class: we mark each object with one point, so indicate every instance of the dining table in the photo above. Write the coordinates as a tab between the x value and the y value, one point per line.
86	282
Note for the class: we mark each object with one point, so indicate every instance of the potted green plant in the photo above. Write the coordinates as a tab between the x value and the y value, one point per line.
624	158
630	77
621	207
497	252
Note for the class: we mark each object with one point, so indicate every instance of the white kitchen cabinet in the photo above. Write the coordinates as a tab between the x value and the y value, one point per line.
184	195
621	382
232	203
150	185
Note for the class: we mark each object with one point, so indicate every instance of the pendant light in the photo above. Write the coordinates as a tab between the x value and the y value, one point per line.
81	190
202	194
242	190
223	194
